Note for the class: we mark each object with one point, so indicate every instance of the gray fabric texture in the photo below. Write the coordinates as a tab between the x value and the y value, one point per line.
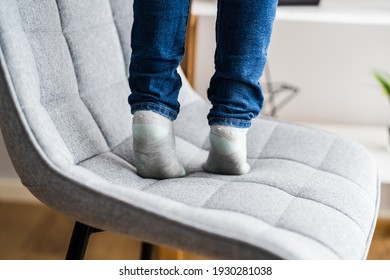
227	153
154	146
67	126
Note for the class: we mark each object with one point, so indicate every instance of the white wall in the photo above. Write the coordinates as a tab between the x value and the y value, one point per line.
332	65
329	52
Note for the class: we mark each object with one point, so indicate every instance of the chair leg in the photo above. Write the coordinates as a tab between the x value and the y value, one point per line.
79	241
146	251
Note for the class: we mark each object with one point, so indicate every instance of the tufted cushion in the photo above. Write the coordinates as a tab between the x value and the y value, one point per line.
67	126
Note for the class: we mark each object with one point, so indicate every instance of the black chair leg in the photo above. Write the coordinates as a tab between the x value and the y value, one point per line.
79	241
146	251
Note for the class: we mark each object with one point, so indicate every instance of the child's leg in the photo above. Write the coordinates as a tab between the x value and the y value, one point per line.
157	41
243	35
154	146
228	151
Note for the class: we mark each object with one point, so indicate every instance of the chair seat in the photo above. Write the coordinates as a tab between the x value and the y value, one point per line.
308	194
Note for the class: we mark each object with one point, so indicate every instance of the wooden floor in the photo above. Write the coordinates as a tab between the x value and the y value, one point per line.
30	231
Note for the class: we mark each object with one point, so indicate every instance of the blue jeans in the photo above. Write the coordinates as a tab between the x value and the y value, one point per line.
243	32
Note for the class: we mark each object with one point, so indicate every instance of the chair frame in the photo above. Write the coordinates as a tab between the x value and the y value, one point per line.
79	242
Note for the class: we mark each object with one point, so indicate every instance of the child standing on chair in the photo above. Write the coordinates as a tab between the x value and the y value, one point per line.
243	32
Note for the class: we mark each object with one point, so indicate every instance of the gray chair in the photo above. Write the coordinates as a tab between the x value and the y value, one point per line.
67	126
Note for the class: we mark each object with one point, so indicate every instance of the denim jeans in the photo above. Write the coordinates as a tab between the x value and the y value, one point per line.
243	32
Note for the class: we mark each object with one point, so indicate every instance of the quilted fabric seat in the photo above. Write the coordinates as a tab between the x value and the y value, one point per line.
67	126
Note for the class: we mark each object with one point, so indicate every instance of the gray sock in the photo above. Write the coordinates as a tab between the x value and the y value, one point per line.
154	146
228	151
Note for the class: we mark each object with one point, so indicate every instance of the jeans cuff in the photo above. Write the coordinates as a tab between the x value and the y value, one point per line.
230	122
157	108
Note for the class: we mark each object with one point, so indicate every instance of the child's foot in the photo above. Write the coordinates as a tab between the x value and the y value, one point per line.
228	151
154	146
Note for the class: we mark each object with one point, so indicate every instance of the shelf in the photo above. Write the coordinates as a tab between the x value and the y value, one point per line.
377	13
204	8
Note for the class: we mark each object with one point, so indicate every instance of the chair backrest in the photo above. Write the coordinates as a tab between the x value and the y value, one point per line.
63	81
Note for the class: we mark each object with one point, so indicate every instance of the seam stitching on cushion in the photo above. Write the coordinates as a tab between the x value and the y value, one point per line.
91	157
327	153
117	15
280	227
150	185
92	26
114	20
197	223
211	195
102	153
113	84
42	31
59	99
296	196
22	21
332	208
40	86
266	143
108	85
288	204
296	232
70	31
78	87
116	146
187	140
170	219
118	36
321	170
324	171
122	159
65	98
